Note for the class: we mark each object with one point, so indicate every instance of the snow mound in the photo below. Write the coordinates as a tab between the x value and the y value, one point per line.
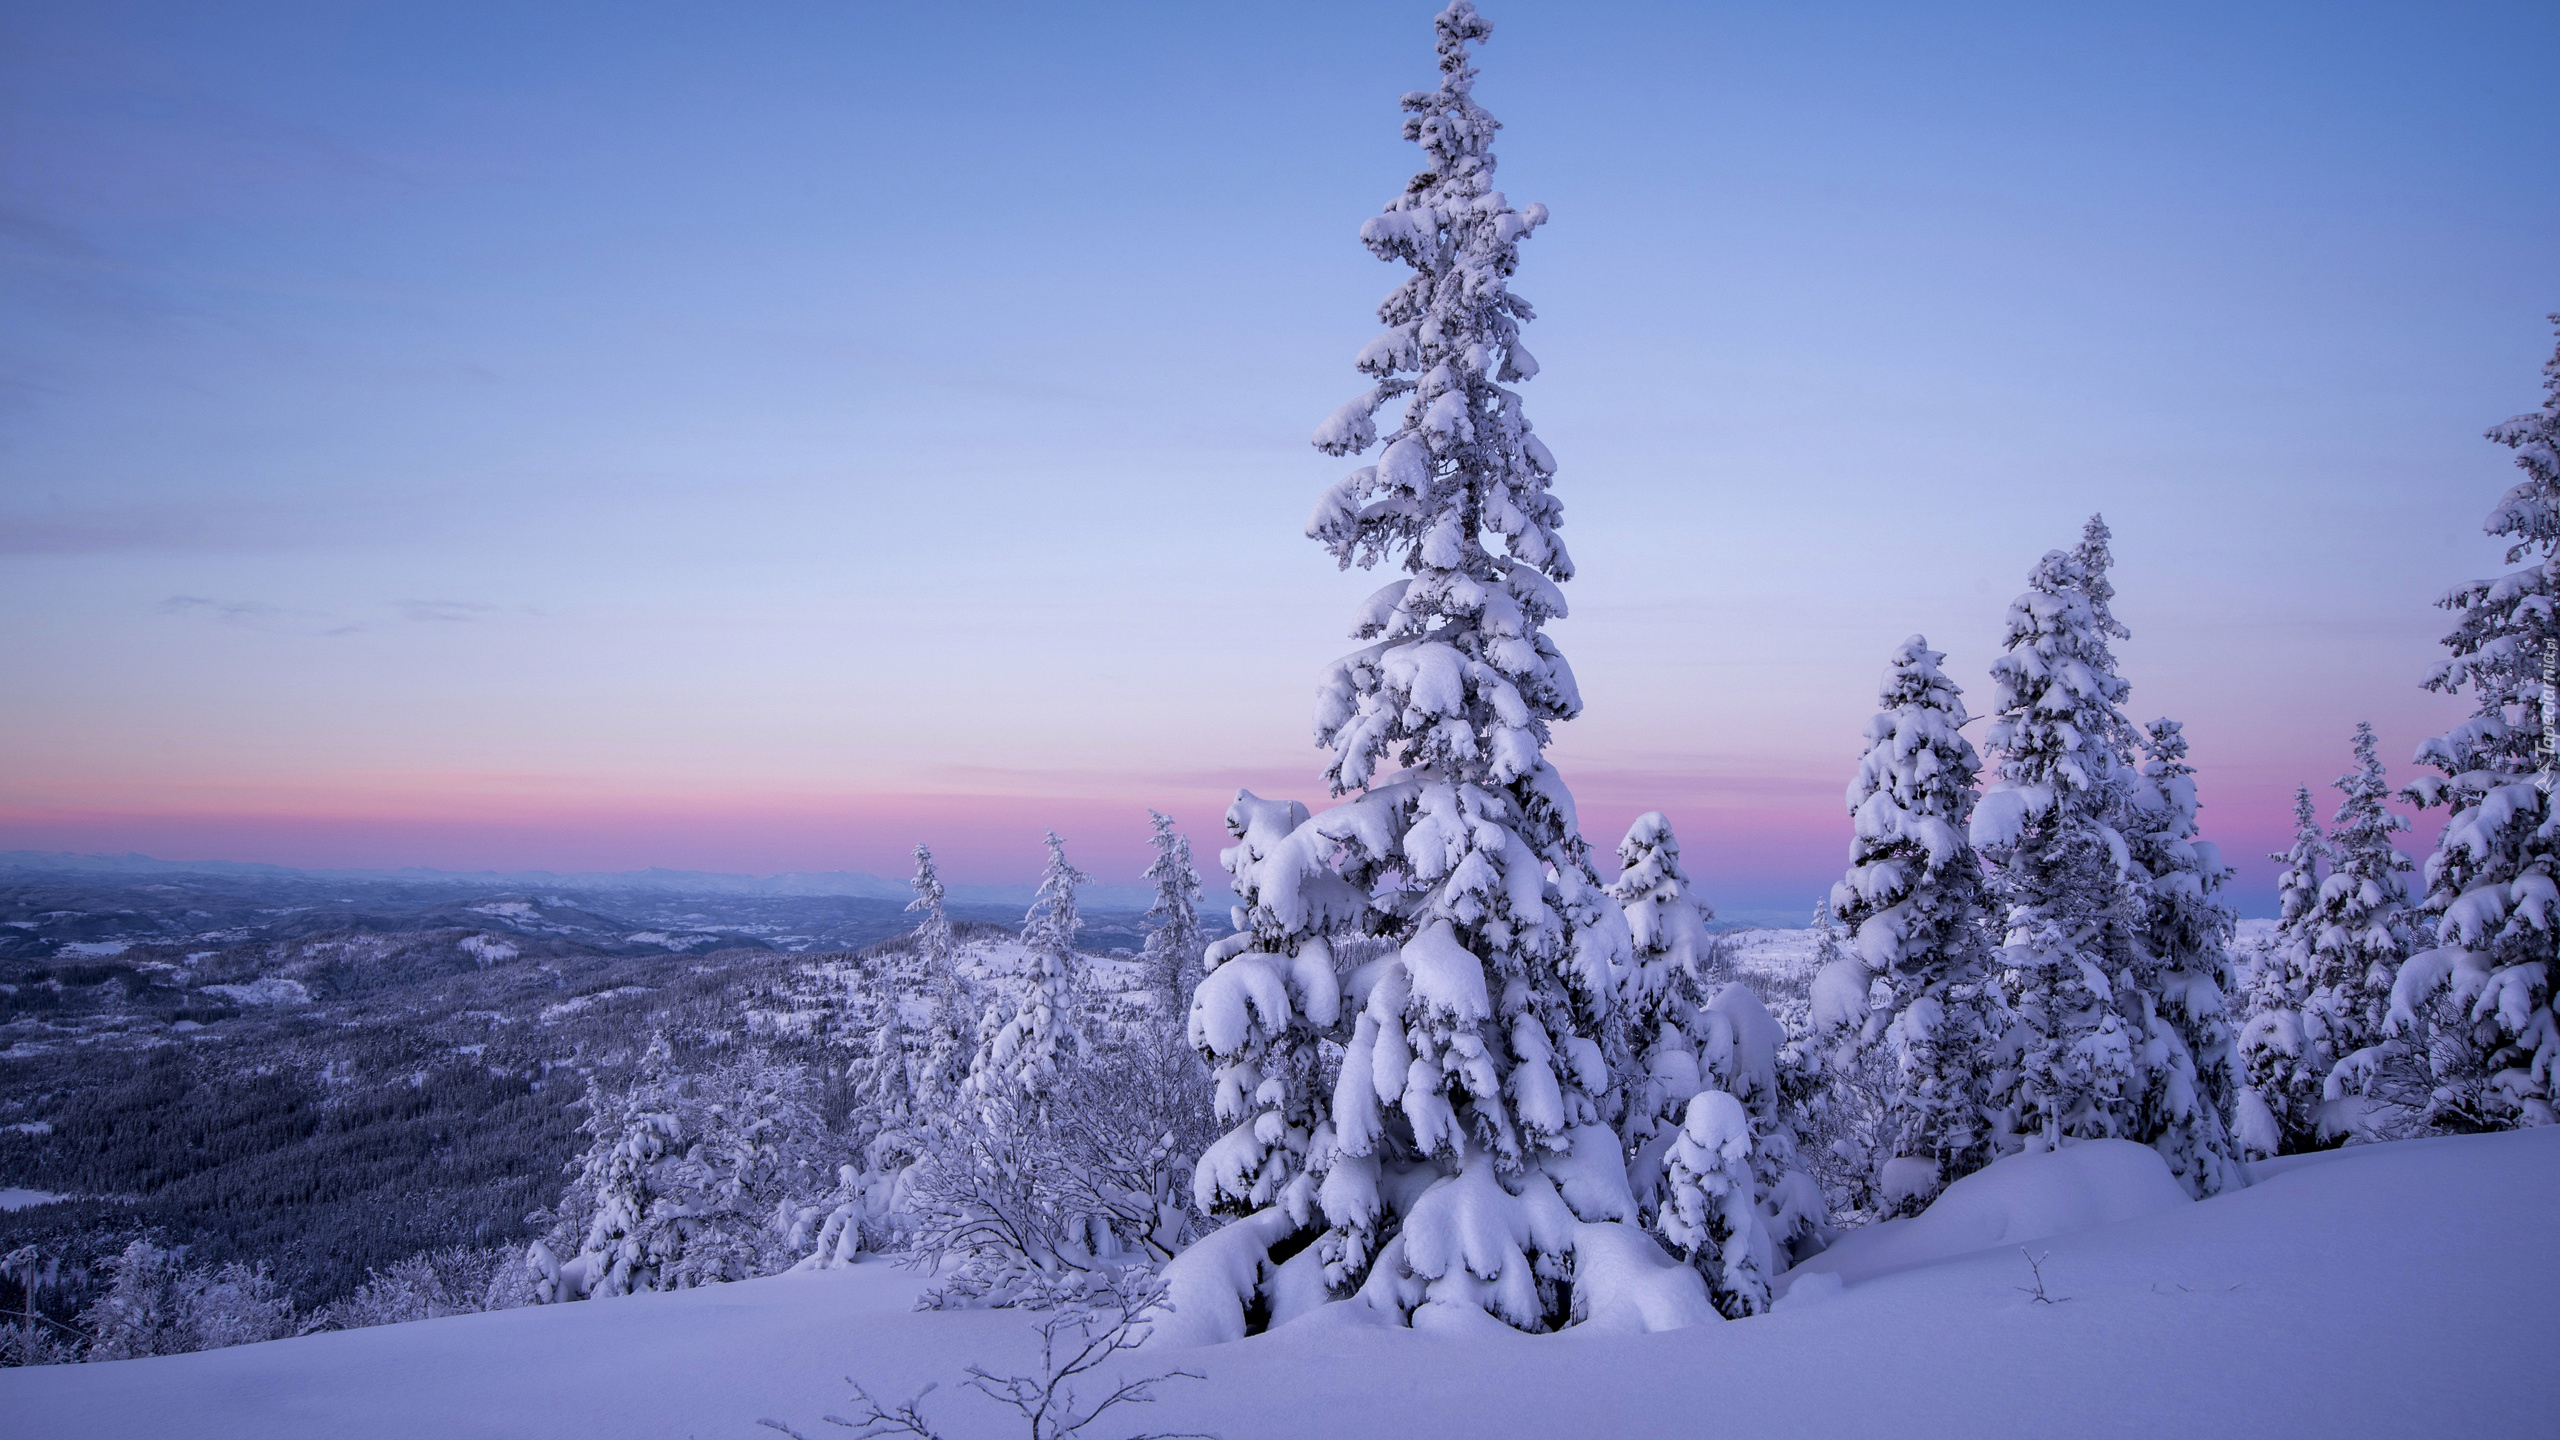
2397	1290
1622	1281
2014	1201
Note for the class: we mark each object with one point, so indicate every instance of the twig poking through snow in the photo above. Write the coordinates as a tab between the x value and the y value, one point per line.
1073	1342
2035	1292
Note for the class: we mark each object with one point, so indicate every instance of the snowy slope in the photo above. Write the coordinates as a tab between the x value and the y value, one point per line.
2391	1290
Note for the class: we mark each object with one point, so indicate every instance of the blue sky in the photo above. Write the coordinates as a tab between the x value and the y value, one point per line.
761	437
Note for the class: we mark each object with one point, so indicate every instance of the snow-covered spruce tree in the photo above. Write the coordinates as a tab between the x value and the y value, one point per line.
1037	1194
2283	1056
1171	957
906	1083
1832	1073
1687	1037
2181	973
1710	1206
1259	1017
1022	1054
884	1074
2298	882
689	1179
2364	932
1914	903
1469	1157
2494	880
2065	1063
596	1245
1664	997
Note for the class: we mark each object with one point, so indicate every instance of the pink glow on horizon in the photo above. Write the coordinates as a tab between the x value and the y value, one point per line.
1749	844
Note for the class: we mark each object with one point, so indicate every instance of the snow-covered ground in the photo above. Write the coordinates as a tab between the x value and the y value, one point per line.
2388	1290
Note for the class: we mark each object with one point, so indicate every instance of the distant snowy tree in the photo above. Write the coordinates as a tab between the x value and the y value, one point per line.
689	1179
1914	902
2283	1049
885	1073
1022	1054
2181	973
2494	880
140	1313
2363	934
1173	944
1014	1206
425	1286
950	1034
2321	1055
157	1305
2298	882
934	943
2066	1063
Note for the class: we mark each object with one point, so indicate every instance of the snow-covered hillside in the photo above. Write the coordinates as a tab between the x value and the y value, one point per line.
2385	1290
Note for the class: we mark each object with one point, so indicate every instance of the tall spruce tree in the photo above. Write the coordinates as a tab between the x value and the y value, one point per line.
1913	902
1468	1141
2494	880
2065	1066
2181	973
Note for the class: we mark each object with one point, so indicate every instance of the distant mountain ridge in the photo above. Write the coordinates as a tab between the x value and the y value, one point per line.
653	880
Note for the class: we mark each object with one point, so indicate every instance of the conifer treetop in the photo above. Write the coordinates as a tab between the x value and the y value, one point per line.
2061	738
2298	883
1462	677
1051	926
933	934
2529	514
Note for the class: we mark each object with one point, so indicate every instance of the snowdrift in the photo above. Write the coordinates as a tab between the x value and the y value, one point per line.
2386	1290
2018	1199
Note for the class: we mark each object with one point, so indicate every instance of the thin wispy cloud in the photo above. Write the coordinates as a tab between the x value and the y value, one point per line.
299	620
258	615
444	612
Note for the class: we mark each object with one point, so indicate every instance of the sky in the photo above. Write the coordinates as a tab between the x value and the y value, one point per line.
759	438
